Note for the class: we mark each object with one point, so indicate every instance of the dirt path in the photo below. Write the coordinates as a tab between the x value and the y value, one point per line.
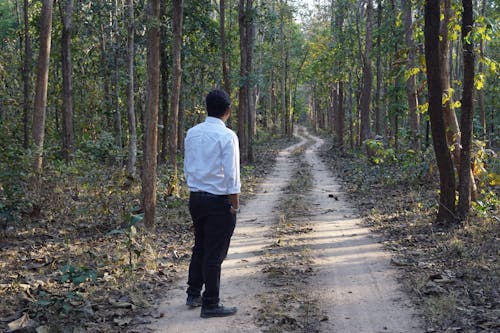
353	283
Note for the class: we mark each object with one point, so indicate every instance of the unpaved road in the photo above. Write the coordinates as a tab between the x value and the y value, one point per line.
354	284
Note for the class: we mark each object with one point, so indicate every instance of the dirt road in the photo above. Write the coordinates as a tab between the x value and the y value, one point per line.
353	283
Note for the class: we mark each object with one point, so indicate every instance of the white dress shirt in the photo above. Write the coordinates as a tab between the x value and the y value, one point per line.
212	158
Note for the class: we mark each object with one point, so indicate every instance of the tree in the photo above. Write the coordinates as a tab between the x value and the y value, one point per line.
26	73
467	109
367	75
245	104
177	14
411	89
66	8
446	210
151	116
223	42
132	141
40	107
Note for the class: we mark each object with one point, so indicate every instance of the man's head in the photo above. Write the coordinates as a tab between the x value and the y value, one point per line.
217	103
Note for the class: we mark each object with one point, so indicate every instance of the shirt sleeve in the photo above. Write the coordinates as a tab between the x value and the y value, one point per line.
231	164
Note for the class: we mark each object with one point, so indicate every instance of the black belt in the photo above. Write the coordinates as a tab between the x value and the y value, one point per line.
207	194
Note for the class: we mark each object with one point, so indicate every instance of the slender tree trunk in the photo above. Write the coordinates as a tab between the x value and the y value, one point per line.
450	117
177	17
67	114
40	107
26	74
164	72
283	71
411	86
379	70
340	116
225	71
132	141
480	93
116	97
243	107
467	114
367	75
151	115
106	73
446	211
252	116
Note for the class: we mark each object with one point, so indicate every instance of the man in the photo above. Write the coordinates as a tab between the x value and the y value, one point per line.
212	170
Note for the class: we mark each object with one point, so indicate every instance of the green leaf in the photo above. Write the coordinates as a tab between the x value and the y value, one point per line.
134	219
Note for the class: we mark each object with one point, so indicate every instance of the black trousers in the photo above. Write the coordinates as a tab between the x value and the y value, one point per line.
213	227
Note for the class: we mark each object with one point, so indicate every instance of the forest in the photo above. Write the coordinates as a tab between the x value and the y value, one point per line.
96	98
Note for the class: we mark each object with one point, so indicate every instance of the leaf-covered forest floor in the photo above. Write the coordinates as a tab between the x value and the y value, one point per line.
70	260
74	258
451	273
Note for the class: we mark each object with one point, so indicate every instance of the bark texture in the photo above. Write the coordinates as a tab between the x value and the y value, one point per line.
42	70
446	210
151	115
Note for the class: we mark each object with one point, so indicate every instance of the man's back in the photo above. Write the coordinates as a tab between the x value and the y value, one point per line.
211	161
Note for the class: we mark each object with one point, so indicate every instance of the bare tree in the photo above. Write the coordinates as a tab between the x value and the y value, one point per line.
151	116
42	70
225	71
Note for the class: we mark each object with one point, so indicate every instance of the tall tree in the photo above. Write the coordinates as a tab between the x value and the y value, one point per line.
225	70
164	72
177	14
26	73
245	102
367	75
411	86
151	116
116	70
446	210
132	141
42	77
467	109
480	92
66	8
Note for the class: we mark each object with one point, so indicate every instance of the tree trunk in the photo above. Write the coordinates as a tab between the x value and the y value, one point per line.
40	107
132	141
177	16
367	76
480	92
116	97
411	86
225	71
151	114
26	75
252	115
467	114
446	211
340	116
283	71
164	61
66	8
244	90
450	117
378	89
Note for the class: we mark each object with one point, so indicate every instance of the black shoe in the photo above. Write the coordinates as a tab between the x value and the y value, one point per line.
193	301
217	311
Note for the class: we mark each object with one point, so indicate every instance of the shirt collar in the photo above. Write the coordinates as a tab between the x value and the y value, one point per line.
215	120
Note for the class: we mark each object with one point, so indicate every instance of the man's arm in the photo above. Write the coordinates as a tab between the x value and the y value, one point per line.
234	199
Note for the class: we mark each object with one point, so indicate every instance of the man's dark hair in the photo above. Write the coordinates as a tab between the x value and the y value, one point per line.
217	102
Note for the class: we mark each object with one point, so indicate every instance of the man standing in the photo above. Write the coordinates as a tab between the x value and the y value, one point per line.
212	170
